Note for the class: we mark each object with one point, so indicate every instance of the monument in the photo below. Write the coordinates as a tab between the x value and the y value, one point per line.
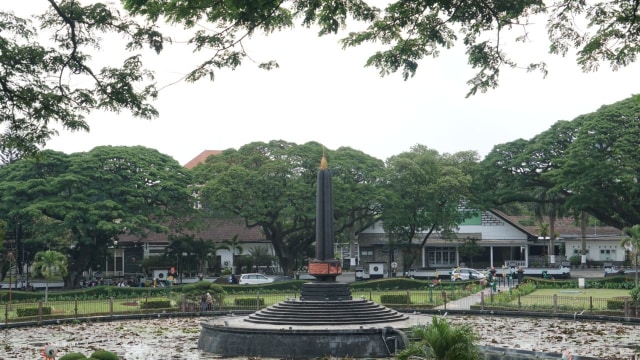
324	321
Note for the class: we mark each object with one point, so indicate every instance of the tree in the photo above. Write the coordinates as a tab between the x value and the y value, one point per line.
94	197
599	172
271	186
589	164
49	264
58	82
412	30
632	244
235	247
260	257
424	191
441	341
470	249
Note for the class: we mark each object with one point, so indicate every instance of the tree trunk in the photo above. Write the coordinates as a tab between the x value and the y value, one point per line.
583	236
77	266
552	236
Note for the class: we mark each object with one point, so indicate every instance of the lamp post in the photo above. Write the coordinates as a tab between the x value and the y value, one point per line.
115	246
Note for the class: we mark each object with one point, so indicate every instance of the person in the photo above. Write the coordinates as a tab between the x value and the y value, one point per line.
203	302
520	274
209	302
621	271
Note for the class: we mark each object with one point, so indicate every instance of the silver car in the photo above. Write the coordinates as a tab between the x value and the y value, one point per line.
466	274
254	279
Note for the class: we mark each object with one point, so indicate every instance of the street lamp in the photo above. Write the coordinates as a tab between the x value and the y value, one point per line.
115	246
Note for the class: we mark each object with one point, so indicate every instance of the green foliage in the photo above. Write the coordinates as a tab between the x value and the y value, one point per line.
395	299
90	198
249	302
568	161
46	310
615	304
34	98
575	260
422	194
635	293
441	341
156	304
72	356
288	171
104	355
48	264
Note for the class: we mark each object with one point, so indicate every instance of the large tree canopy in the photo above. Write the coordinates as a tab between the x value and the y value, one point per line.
272	186
412	30
46	81
84	201
588	164
424	193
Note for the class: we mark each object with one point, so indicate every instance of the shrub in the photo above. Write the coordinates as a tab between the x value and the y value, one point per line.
104	355
73	356
249	302
156	304
575	260
615	303
635	293
46	310
395	299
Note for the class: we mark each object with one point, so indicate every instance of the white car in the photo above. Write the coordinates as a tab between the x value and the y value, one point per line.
466	274
254	279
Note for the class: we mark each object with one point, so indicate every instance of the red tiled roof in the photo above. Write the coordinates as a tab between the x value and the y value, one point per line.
201	158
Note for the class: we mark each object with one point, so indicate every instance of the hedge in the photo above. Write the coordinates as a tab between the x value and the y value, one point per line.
46	310
156	304
253	302
395	299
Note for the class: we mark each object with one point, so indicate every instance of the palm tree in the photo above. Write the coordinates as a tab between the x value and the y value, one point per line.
233	245
441	341
632	244
551	205
261	257
50	263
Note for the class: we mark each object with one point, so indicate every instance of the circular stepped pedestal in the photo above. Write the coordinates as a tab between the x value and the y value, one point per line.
301	312
304	328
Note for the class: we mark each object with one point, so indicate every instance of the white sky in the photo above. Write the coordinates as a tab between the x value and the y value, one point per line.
323	93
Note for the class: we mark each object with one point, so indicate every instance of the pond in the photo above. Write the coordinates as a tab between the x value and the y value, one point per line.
177	338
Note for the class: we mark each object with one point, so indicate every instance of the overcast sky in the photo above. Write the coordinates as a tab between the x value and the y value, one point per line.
325	94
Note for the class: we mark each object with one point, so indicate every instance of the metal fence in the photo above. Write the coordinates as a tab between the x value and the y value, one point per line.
430	299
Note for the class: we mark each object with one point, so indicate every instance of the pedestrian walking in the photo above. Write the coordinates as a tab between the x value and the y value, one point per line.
209	302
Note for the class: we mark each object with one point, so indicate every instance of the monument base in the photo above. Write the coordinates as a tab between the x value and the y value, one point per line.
325	270
240	339
325	291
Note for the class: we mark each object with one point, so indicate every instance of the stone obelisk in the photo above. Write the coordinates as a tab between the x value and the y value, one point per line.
324	213
325	268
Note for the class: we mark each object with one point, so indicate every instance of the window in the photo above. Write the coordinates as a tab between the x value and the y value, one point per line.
606	255
441	257
366	252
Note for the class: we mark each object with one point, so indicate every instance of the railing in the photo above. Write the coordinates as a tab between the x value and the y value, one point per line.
429	299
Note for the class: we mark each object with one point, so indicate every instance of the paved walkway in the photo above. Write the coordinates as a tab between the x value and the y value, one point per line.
466	302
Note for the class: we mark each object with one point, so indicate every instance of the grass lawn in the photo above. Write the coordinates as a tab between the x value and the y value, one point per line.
85	307
571	299
596	293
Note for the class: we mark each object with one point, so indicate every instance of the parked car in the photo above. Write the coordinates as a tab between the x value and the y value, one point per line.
254	278
466	274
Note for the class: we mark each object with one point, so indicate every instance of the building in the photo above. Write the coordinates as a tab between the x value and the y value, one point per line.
500	239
